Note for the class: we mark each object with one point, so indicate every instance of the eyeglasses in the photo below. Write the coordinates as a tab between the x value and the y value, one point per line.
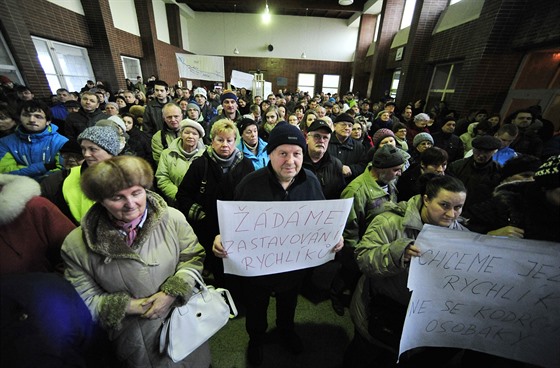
320	137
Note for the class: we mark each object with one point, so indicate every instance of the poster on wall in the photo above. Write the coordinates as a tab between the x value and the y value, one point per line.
201	67
241	79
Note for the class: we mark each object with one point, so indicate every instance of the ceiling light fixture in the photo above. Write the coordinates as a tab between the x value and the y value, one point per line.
345	2
266	14
303	56
236	51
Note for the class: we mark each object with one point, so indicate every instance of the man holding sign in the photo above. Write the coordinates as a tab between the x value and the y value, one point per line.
282	180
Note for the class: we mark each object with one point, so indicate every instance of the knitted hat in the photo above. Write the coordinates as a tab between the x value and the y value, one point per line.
119	121
192	105
244	123
284	133
388	156
421	137
380	135
548	174
193	124
486	142
103	136
344	117
422	116
228	94
114	104
200	91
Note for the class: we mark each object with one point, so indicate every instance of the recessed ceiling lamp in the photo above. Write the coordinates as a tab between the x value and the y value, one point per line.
345	2
266	14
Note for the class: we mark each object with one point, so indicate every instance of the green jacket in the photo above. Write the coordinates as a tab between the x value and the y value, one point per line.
369	201
107	273
173	165
379	255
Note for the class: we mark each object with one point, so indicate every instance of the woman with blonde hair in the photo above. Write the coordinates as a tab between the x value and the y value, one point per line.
211	177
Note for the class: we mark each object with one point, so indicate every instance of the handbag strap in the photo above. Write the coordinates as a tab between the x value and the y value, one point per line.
225	292
196	276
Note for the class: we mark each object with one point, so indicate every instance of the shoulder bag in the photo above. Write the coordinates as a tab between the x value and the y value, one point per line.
191	325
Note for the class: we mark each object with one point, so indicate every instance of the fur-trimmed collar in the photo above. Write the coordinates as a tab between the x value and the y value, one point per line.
103	238
15	193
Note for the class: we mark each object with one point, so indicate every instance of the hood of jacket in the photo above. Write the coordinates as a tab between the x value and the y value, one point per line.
51	129
16	191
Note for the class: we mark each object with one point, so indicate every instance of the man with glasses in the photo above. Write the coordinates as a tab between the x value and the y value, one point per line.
328	169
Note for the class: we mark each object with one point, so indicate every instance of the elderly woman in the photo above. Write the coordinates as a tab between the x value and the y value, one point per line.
211	177
418	125
125	257
253	147
383	255
175	160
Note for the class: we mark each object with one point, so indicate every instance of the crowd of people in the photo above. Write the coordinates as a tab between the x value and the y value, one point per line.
117	192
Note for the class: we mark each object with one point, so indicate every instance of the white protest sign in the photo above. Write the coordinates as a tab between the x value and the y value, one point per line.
263	238
491	294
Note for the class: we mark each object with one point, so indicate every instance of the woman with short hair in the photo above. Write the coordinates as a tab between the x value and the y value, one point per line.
125	261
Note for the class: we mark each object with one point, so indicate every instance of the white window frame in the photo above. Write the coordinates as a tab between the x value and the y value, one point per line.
395	83
305	86
131	74
447	89
331	88
9	70
54	67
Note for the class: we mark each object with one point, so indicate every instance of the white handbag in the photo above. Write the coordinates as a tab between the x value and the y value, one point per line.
189	326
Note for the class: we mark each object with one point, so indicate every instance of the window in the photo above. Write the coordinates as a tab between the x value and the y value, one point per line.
395	83
443	82
306	83
131	67
65	66
451	2
331	83
8	66
408	12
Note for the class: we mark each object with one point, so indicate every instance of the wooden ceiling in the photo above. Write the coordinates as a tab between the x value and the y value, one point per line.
312	8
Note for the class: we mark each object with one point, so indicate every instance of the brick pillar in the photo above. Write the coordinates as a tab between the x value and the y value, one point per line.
18	38
360	71
104	55
416	73
380	77
148	35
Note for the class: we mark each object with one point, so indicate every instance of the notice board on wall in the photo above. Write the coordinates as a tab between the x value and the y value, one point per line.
202	67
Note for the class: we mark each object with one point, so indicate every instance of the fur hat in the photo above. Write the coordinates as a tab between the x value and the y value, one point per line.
388	156
193	124
421	137
193	105
228	94
105	137
200	91
380	135
548	174
284	133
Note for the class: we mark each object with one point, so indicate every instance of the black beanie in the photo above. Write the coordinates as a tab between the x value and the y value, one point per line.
284	133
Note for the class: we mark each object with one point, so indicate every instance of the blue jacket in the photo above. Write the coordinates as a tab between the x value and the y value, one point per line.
503	155
259	160
26	154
